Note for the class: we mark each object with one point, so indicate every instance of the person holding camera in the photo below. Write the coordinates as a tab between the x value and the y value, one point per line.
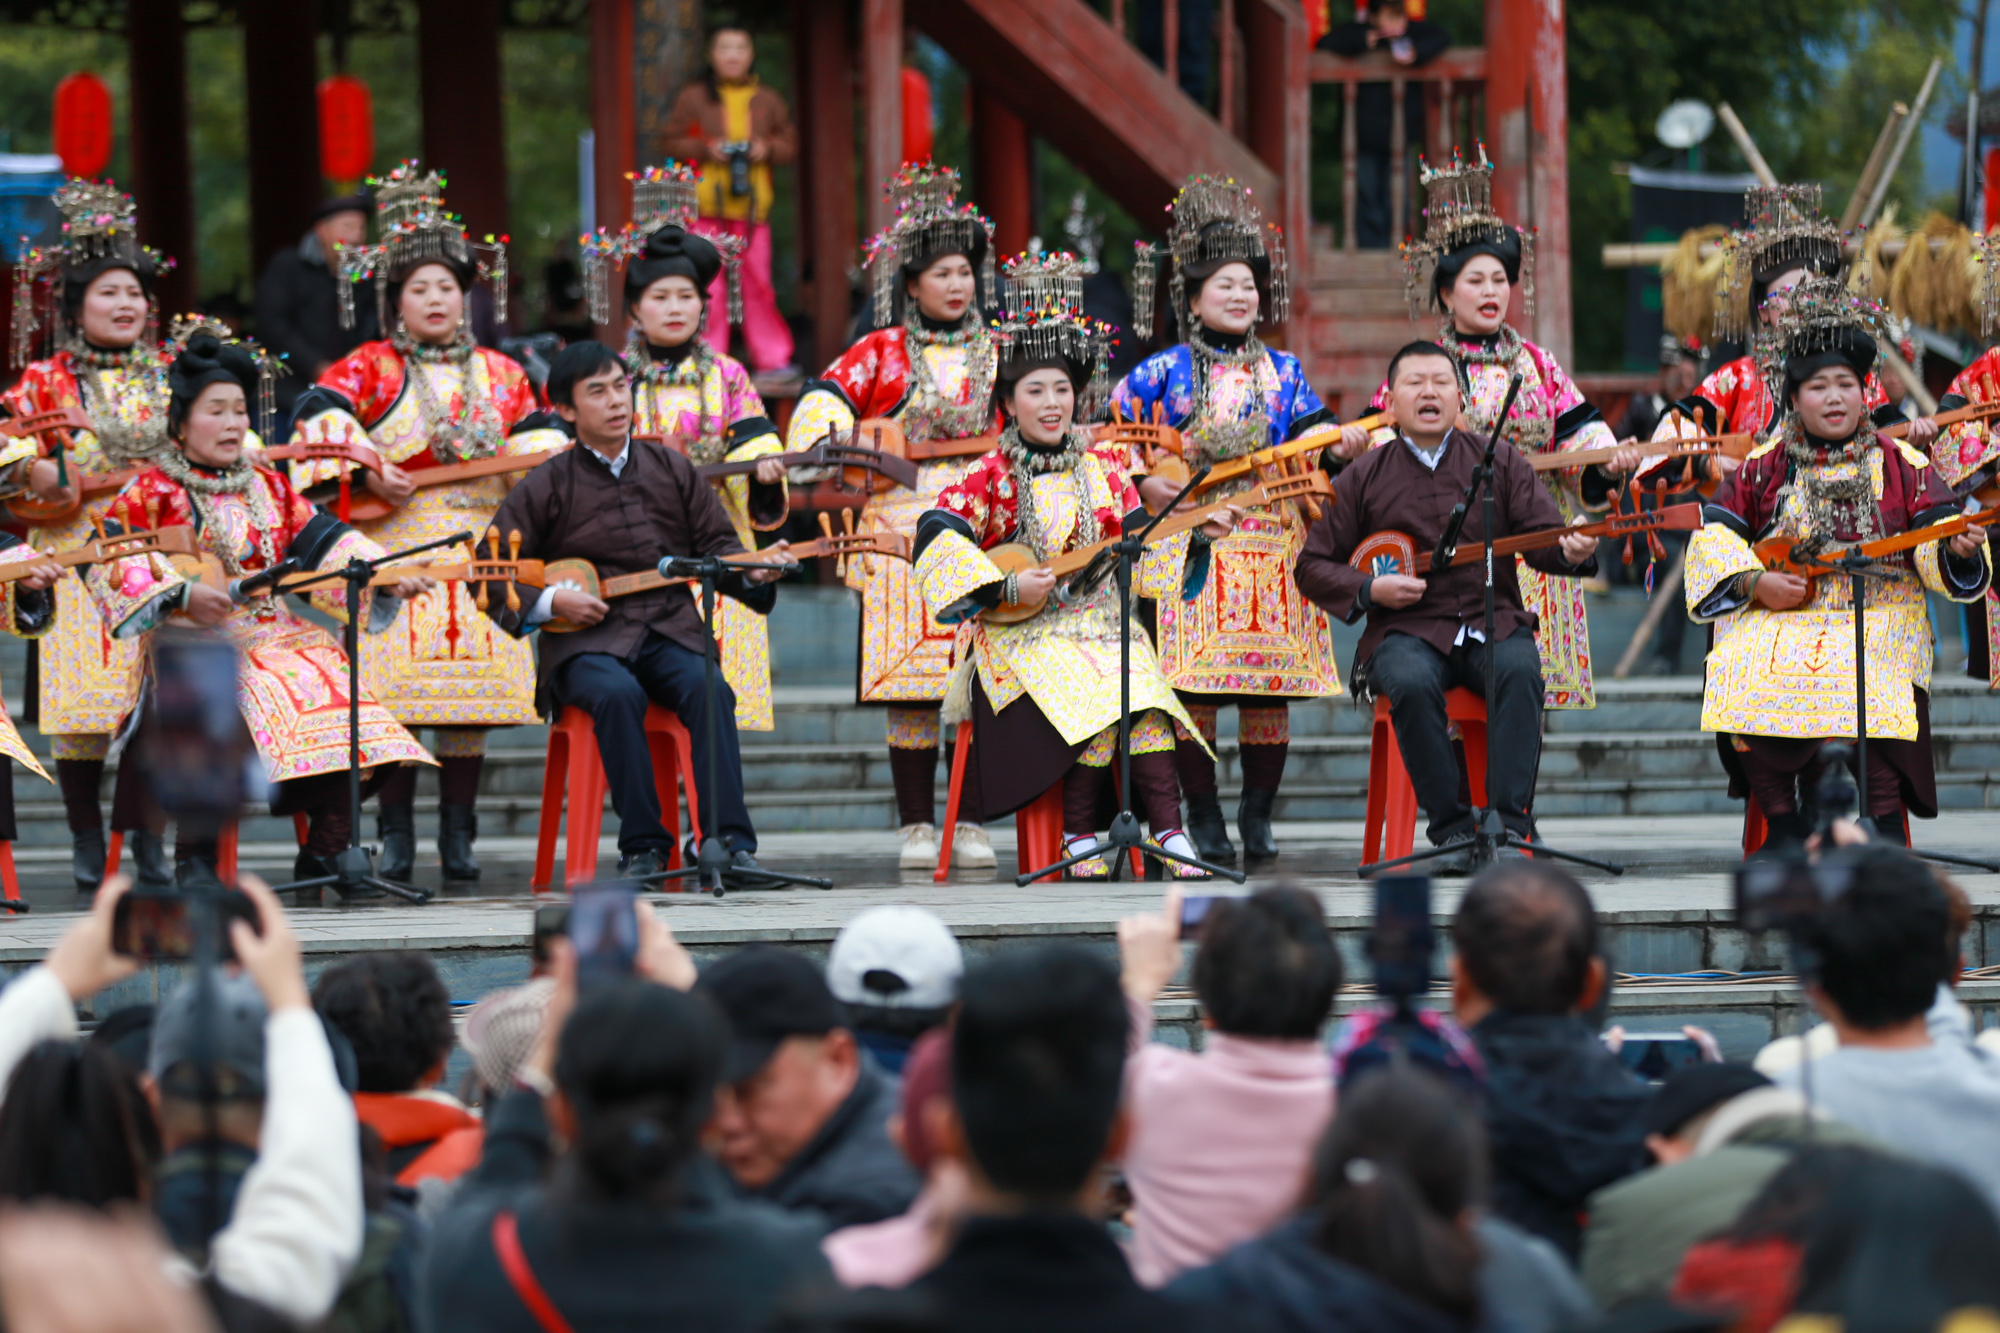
738	129
249	522
1781	674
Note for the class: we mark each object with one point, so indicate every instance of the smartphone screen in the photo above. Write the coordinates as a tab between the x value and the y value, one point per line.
197	752
551	920
1655	1055
604	931
1402	941
159	925
1194	911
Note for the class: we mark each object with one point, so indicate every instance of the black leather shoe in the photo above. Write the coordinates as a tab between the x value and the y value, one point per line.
1785	837
150	869
396	825
1207	831
1456	863
86	858
196	873
458	825
641	863
740	860
1253	822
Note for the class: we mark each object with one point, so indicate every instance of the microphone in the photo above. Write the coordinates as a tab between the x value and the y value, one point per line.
243	589
682	567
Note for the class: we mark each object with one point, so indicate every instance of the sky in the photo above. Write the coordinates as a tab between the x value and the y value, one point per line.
1941	151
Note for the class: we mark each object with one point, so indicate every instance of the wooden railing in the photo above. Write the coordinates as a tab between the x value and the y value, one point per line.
1227	95
1455	116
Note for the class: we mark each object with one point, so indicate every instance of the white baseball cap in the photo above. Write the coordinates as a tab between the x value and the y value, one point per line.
895	957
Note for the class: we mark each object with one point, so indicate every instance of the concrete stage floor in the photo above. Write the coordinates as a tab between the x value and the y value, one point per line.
1666	918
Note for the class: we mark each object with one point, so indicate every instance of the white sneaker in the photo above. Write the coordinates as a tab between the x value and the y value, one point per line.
920	847
971	849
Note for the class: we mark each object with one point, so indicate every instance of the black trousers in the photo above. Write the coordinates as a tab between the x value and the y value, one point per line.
1414	677
615	693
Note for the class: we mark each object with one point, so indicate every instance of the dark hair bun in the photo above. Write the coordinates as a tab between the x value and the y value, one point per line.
673	252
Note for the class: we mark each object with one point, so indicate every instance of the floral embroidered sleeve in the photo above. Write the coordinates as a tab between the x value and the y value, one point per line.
530	428
764	505
358	388
1719	554
135	594
869	379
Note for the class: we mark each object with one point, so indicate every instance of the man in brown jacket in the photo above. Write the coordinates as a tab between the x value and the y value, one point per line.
1426	635
624	505
736	129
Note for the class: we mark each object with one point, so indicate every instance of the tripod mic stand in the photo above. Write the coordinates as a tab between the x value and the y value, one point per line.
354	867
712	863
1490	834
1859	569
1124	836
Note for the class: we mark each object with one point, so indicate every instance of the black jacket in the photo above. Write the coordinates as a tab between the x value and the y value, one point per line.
710	1262
1296	1287
1052	1273
849	1173
298	317
1565	1118
1371	100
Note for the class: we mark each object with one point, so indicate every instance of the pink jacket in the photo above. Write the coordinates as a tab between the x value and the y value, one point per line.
1221	1143
891	1253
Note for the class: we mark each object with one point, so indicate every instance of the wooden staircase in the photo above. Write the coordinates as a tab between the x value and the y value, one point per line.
1357	319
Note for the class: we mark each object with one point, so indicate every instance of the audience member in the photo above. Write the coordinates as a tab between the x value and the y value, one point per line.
1391	1236
1221	1142
629	1227
895	970
1717	1133
1564	1116
1410	43
897	1252
1874	1241
802	1117
74	1270
500	1032
290	1221
1194	41
394	1010
1037	1067
737	130
75	1127
298	300
1875	956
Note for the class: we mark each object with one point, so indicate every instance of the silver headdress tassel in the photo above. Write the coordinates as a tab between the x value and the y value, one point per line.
98	222
1042	318
928	220
662	196
1783	228
415	228
1458	211
1212	218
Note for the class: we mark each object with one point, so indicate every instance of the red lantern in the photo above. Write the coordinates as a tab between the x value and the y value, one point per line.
83	124
916	115
346	128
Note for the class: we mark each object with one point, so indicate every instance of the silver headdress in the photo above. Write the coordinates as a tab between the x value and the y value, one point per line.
1213	218
98	222
1783	228
662	196
1821	315
928	220
414	229
1459	212
1042	319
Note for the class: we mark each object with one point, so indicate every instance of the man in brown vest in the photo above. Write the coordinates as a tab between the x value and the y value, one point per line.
624	505
1426	635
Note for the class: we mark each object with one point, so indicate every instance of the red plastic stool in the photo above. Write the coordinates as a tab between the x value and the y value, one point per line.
573	764
1392	802
1038	826
1756	830
8	878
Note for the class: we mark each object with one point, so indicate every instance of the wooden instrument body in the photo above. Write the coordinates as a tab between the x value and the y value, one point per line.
204	567
176	540
366	506
61	425
1785	555
1014	557
1374	553
582	575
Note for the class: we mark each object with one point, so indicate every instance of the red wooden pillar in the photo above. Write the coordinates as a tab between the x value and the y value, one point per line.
280	74
1278	127
825	45
458	73
162	173
882	87
1527	133
1002	175
613	113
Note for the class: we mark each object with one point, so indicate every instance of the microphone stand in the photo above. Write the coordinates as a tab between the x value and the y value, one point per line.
1490	833
1859	569
1124	836
712	864
354	867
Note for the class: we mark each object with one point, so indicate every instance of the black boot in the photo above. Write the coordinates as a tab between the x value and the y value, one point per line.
150	869
1785	836
1253	822
396	825
458	825
1207	831
86	858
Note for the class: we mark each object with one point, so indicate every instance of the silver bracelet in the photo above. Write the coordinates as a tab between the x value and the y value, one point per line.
1010	589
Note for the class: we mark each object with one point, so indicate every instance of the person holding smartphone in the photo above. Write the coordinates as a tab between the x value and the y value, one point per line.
1408	43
